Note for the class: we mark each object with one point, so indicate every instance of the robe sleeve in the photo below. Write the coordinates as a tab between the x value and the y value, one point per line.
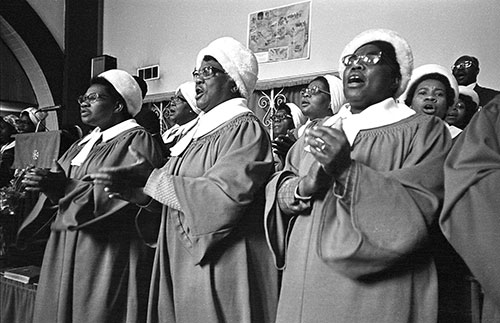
470	219
214	204
84	203
384	217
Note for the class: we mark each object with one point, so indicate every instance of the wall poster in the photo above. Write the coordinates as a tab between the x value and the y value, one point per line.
280	34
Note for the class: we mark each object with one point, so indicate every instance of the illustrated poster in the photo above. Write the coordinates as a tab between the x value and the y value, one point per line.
280	34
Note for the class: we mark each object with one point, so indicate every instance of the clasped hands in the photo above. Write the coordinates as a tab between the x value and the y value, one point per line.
332	151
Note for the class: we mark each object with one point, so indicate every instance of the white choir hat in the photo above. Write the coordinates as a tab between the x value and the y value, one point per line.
127	87
188	91
464	90
237	60
404	54
337	98
427	69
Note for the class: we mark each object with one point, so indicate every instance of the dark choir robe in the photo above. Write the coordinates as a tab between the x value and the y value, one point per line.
362	255
96	268
470	218
212	263
485	94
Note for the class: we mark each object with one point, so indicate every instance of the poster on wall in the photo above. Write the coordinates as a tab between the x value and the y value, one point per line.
280	34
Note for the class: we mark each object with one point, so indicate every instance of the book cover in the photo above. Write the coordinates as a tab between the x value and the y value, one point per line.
26	274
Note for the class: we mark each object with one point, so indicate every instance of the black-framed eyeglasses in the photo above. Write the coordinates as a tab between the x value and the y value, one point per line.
368	59
177	99
90	98
462	65
313	90
206	72
280	117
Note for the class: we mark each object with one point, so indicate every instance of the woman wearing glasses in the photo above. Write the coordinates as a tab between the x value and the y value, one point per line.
284	123
211	263
96	267
323	97
183	113
348	218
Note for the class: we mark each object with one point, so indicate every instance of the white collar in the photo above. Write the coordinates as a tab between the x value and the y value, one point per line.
379	114
222	113
111	132
454	131
7	146
177	131
210	121
472	85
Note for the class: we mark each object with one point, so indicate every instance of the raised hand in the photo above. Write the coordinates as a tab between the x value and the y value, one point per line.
125	182
281	144
330	147
50	182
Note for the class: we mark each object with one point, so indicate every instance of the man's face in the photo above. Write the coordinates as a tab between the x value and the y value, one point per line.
465	70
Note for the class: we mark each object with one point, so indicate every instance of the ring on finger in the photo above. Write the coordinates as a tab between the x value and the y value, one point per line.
322	143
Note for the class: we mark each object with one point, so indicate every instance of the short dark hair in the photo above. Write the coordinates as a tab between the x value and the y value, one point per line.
142	84
471	108
285	107
450	93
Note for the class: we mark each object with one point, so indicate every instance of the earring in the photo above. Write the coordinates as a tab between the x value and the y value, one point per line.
234	89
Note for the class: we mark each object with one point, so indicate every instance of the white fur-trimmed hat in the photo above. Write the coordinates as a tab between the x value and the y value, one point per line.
337	98
237	60
35	115
404	54
127	87
464	90
297	116
426	69
188	90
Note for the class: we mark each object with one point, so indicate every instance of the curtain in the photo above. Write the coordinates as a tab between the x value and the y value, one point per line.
17	301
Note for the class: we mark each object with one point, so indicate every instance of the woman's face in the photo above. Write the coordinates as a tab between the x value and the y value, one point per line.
365	84
282	122
24	125
180	111
316	105
430	98
100	111
456	114
213	90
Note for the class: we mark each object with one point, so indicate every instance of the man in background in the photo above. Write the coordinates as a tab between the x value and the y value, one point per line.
465	70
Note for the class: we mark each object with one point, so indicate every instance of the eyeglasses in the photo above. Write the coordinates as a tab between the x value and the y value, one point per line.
280	117
462	65
206	72
177	99
90	98
368	59
313	90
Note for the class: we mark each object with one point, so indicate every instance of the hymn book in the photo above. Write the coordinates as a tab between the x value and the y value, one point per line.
27	274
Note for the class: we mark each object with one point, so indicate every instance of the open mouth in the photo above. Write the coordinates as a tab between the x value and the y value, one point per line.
199	92
450	118
429	109
355	80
